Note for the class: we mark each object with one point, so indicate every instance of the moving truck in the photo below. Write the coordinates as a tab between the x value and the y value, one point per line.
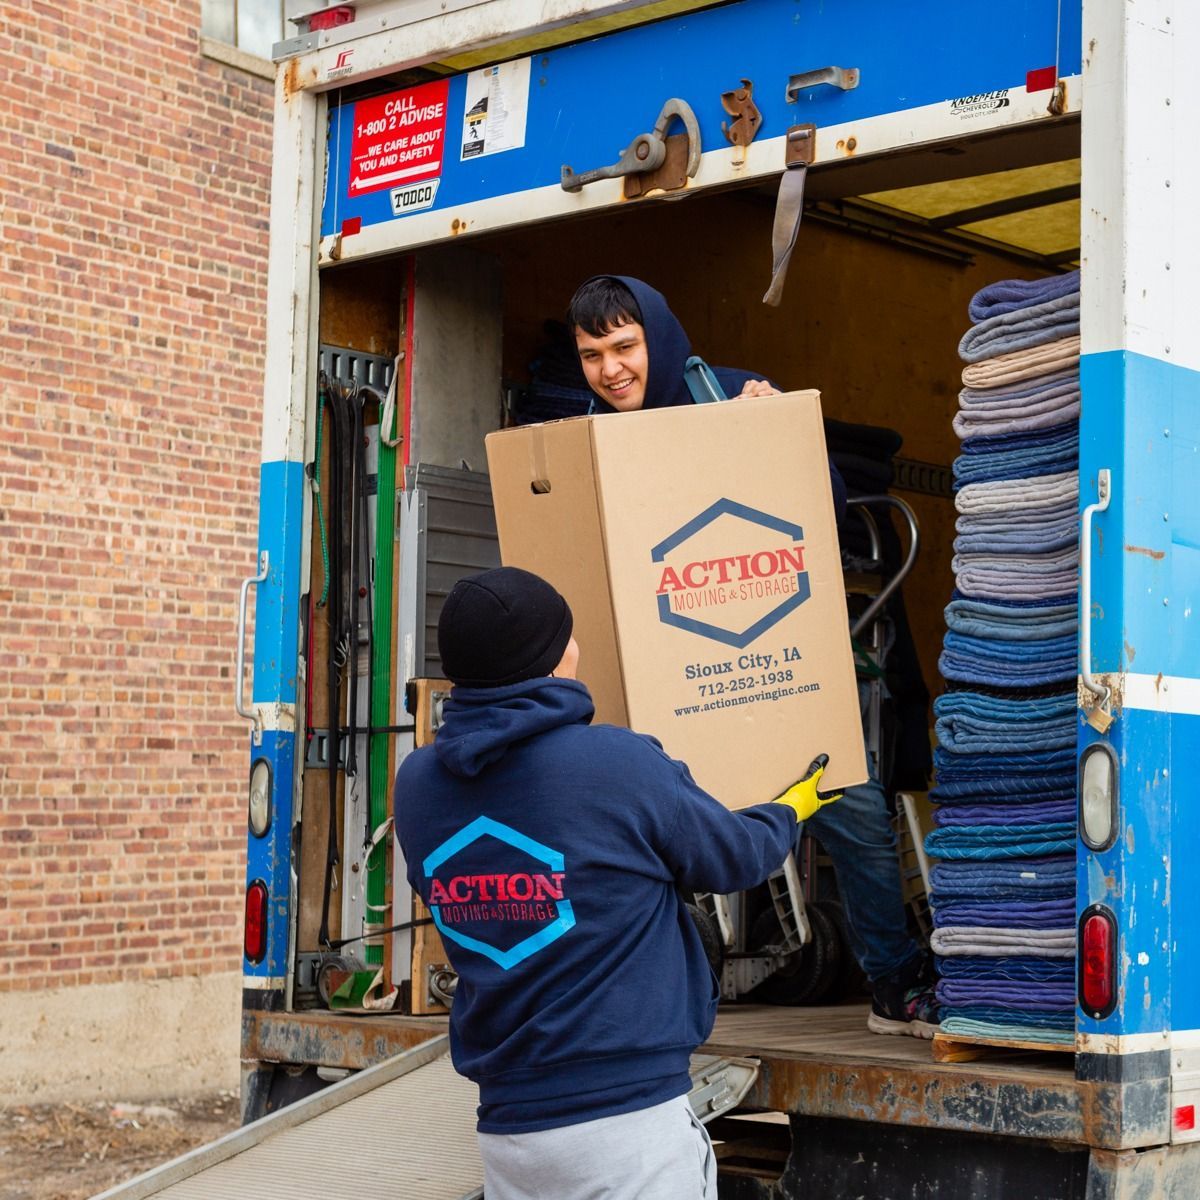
444	175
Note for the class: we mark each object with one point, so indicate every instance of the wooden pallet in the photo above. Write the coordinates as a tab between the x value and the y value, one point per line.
951	1047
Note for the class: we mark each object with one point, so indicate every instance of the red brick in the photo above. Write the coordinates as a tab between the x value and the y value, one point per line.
133	187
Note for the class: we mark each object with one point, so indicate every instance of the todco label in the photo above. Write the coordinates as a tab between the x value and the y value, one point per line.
730	573
414	197
398	139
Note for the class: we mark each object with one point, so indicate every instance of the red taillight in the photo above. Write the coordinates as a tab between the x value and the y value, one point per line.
255	942
1097	962
331	18
1185	1118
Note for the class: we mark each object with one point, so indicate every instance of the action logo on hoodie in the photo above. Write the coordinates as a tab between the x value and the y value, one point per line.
498	892
730	573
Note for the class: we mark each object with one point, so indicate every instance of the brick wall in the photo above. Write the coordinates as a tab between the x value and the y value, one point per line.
134	179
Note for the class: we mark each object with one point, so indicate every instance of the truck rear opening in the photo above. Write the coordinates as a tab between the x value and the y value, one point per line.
926	183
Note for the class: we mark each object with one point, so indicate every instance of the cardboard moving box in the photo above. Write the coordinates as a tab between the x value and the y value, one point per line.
698	550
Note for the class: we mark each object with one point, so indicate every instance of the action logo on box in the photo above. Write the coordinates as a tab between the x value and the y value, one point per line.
730	573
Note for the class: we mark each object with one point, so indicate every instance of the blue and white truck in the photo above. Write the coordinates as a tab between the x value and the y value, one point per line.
445	172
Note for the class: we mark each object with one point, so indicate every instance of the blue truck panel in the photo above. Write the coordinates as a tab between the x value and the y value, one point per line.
1141	419
277	604
581	111
269	857
1131	878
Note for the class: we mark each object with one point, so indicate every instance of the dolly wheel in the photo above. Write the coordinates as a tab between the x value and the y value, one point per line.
710	938
809	975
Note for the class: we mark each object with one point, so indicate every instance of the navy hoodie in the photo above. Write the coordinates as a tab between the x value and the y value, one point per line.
668	349
550	852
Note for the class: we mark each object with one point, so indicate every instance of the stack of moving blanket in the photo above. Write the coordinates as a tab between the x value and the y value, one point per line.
1004	890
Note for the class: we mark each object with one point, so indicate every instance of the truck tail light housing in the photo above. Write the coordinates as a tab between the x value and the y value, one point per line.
254	943
1098	796
259	814
1097	962
331	18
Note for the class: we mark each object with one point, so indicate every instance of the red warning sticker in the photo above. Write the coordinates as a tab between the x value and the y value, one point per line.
398	138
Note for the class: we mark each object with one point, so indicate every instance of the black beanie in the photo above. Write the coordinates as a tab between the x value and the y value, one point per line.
502	626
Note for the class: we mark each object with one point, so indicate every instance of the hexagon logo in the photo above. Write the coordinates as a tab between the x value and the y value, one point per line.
497	892
731	573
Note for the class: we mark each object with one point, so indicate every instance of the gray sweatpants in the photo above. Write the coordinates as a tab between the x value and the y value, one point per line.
659	1153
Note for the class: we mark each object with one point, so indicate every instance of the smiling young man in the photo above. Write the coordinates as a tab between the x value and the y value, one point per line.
633	350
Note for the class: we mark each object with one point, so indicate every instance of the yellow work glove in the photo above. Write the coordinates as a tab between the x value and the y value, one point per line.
802	797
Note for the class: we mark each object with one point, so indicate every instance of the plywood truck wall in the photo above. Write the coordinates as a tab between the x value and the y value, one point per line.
874	327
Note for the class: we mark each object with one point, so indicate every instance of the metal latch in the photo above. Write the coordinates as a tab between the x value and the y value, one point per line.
647	152
845	78
800	146
747	120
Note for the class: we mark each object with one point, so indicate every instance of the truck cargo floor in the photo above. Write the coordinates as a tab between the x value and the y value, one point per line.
825	1062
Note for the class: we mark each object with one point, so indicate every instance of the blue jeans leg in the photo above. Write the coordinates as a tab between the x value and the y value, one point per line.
857	834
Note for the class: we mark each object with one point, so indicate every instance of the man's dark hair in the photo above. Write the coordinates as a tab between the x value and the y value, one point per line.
602	305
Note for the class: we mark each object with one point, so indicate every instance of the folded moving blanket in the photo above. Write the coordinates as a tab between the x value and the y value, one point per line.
1032	994
1007	710
982	618
1033	874
960	734
998	814
1032	522
993	586
1021	329
1043	1024
953	940
1012	914
988	842
1058	535
963	714
975	801
969	788
969	668
1002	895
1014	496
1001	651
1007	295
1001	467
966	1028
1058	449
1016	969
1047	359
1024	391
1024	409
1038	765
1040	394
998	443
1028	566
969	425
1019	606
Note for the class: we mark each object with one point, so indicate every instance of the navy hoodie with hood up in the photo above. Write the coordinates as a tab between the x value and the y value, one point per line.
550	851
667	350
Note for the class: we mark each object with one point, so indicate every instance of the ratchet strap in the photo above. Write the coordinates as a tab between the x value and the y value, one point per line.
789	209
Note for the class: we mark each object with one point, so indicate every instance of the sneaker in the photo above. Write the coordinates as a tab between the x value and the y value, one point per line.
911	1011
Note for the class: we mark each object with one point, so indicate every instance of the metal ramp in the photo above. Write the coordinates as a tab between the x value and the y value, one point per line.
409	1121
